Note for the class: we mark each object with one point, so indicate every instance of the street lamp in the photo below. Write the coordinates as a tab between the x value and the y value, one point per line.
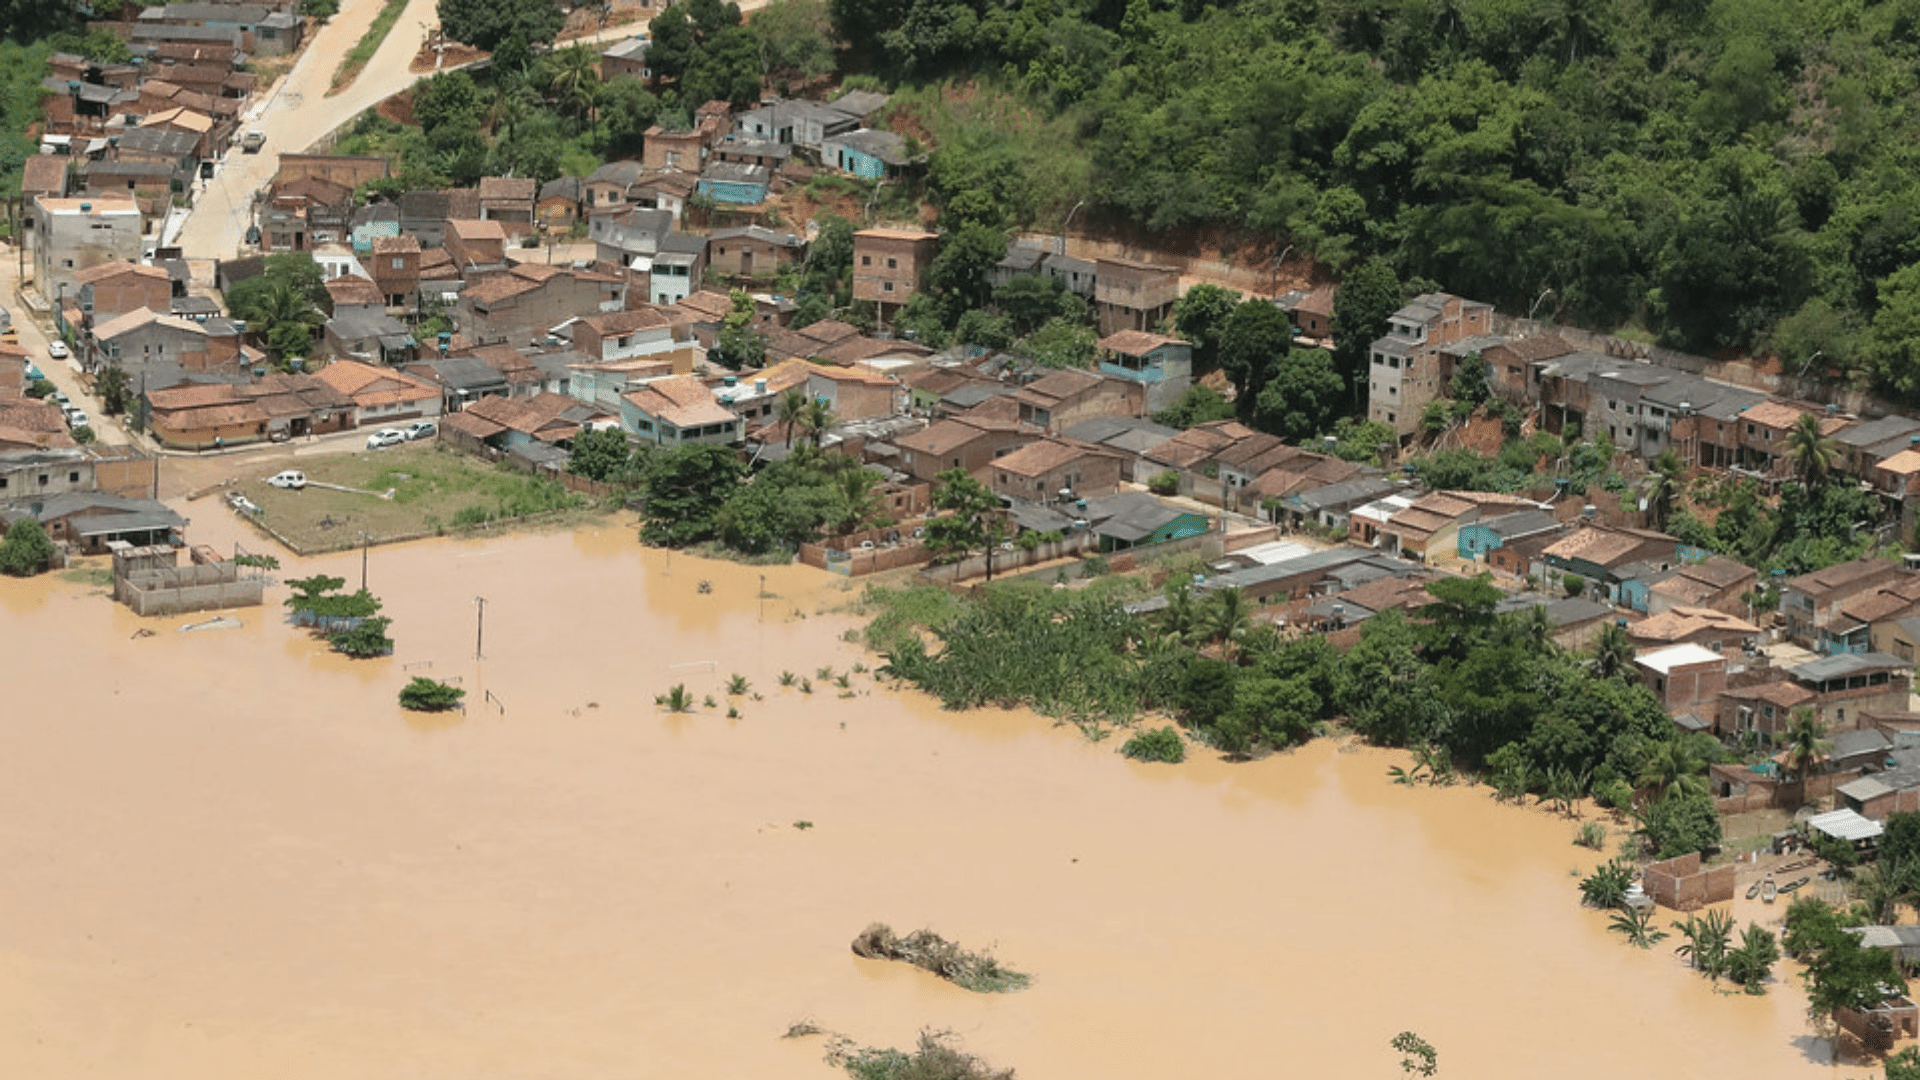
1535	306
1061	247
1817	354
1277	263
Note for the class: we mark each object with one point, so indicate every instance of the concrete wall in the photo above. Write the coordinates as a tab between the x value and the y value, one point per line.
172	590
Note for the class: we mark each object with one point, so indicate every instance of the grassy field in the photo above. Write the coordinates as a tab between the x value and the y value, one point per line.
433	489
369	43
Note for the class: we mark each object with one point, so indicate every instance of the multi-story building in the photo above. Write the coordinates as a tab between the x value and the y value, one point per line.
888	266
72	235
1409	368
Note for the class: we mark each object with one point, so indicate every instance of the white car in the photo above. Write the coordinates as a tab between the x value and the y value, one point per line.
57	350
77	419
293	479
385	437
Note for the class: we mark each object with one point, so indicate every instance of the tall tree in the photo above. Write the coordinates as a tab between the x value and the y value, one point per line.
1254	340
1200	317
972	520
789	411
486	24
1302	398
1806	743
960	271
1360	310
686	489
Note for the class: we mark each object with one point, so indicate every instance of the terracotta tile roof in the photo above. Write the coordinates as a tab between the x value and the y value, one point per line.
508	188
398	245
12	437
1043	455
508	361
192	396
616	323
44	174
1774	414
27	414
1600	545
468	422
477	230
708	303
1681	623
353	289
1135	342
680	400
851	351
497	288
1783	694
1059	385
106	270
1846	577
367	385
1319	301
1904	463
140	317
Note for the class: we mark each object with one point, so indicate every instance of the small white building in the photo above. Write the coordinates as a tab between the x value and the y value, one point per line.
71	235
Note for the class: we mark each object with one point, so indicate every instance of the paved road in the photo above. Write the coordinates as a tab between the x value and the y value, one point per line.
299	113
64	374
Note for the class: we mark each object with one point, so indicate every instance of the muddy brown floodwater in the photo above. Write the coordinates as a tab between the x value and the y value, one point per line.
228	854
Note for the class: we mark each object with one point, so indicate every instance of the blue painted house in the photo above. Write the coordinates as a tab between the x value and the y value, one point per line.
732	182
1478	538
868	154
1162	364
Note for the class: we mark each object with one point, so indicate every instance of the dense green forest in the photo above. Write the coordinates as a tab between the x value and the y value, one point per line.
1731	175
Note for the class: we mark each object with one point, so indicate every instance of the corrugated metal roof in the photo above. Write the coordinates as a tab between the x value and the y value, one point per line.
1846	825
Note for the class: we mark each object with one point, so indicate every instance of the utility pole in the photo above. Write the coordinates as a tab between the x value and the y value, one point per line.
479	627
365	541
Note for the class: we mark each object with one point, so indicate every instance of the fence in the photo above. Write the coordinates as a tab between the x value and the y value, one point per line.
1004	561
172	590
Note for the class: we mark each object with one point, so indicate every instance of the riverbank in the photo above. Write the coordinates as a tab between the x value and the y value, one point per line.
233	855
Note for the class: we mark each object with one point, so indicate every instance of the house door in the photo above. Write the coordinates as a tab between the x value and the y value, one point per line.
746	262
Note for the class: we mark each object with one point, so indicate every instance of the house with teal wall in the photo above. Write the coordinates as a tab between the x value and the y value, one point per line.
731	182
1133	519
1478	538
868	154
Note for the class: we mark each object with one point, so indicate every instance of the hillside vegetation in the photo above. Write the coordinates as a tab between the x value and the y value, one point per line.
1723	176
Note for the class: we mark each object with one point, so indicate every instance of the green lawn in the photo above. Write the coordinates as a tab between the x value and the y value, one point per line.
433	489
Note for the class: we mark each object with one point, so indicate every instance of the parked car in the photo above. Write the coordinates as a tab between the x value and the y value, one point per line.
57	350
33	373
77	419
421	429
292	478
252	141
59	397
385	437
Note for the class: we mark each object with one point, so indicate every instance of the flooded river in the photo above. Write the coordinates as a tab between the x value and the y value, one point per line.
229	854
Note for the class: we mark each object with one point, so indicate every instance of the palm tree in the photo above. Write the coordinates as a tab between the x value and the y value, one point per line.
1807	745
1813	455
575	83
1669	481
1883	887
1182	613
857	503
1226	619
1674	768
1612	652
788	411
817	419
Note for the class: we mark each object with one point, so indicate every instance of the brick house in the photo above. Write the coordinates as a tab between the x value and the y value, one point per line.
144	336
963	442
1408	369
509	201
1132	295
607	186
1716	582
558	206
1054	469
381	395
754	251
111	289
889	265
394	264
477	245
674	151
1063	398
1848	685
1716	631
1686	678
532	298
1809	602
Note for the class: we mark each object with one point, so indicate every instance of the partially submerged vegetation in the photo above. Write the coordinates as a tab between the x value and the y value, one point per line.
975	971
935	1057
430	695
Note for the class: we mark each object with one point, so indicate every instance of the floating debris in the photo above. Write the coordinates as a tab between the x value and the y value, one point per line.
219	622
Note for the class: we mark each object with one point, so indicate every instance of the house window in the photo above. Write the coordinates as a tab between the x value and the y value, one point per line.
893	264
399	264
1389	418
43	479
886	286
73	478
3	483
865	260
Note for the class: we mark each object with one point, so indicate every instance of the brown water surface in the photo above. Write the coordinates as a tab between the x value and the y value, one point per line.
230	855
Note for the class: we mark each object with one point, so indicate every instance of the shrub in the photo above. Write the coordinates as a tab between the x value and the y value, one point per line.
1592	835
1615	794
976	971
1606	887
677	699
26	550
1166	482
430	695
369	638
1161	744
